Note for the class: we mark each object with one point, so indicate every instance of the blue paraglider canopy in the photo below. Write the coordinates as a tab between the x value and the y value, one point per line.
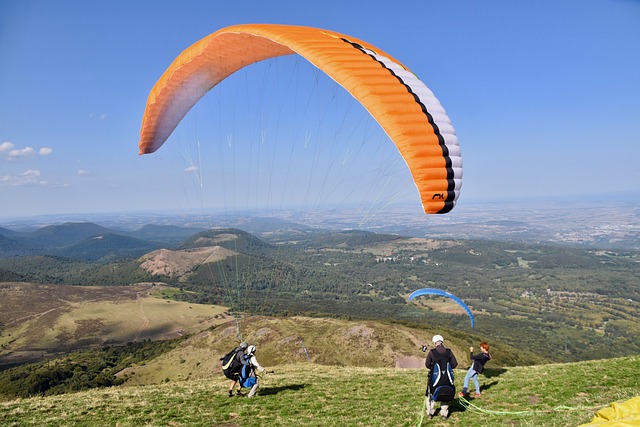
433	291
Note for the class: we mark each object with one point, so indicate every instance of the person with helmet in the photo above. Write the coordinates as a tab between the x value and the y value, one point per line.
249	377
440	362
239	357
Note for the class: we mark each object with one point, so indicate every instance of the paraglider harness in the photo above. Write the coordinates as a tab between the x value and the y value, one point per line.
232	364
440	387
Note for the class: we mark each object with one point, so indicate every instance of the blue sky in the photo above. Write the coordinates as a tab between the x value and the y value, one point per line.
544	96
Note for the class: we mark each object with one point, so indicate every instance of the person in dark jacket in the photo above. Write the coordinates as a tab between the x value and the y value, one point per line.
239	356
441	356
477	367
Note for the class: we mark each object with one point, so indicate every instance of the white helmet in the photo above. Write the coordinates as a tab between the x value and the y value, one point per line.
251	349
437	338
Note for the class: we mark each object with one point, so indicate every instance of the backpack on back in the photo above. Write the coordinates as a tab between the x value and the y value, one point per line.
245	377
441	386
231	365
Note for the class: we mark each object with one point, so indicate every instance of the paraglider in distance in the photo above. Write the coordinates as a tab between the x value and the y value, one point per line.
433	291
404	107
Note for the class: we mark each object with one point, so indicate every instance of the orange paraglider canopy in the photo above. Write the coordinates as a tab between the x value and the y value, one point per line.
403	106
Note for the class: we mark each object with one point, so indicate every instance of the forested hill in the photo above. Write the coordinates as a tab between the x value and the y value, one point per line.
581	301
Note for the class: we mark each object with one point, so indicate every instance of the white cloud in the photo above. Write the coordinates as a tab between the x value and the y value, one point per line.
191	168
25	153
83	172
101	116
6	146
29	177
8	150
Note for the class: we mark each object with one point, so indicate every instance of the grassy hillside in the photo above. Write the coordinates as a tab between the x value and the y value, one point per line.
320	341
38	321
41	320
348	378
316	395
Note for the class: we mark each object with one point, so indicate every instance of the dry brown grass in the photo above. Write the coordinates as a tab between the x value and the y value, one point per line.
179	263
40	319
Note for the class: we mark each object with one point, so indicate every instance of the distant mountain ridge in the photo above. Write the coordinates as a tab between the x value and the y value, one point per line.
352	238
107	246
7	243
228	238
89	241
571	222
5	232
67	233
171	235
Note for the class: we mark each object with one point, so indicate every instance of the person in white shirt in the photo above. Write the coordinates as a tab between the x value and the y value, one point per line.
255	366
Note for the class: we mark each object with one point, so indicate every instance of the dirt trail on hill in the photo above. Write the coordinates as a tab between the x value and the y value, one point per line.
145	321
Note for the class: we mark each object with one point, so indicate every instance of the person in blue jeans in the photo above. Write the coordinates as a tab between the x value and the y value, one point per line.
476	368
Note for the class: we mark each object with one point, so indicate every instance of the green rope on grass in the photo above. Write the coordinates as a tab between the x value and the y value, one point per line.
422	411
468	405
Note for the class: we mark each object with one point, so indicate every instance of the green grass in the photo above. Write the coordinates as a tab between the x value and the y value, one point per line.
314	395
